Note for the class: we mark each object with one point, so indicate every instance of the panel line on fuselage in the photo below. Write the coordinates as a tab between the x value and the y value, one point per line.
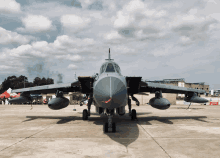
110	87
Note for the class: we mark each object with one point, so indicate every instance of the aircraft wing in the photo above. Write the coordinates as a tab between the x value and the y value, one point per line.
152	87
52	88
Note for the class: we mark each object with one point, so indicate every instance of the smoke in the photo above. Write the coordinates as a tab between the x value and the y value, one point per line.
40	67
60	78
36	70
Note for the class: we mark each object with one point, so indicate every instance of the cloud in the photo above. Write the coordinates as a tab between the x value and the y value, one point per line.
9	6
112	35
136	20
9	37
75	58
192	28
184	40
65	41
64	47
76	4
36	24
97	5
154	34
134	5
74	23
3	67
123	20
72	66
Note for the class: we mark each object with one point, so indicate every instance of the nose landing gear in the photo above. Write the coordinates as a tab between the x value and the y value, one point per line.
109	124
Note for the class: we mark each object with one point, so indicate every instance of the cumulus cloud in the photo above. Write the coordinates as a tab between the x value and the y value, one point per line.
75	58
192	28
9	6
112	35
97	5
185	40
36	23
134	5
76	4
64	47
148	33
9	37
138	21
74	22
72	66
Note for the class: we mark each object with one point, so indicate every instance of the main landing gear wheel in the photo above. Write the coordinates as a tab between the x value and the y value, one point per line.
113	127
81	103
133	115
85	114
105	128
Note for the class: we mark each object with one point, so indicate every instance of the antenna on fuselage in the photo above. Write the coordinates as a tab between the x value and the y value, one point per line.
109	56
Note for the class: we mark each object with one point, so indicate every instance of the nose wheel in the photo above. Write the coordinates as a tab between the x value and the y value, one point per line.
109	124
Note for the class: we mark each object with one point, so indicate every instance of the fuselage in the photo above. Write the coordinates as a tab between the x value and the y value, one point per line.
110	87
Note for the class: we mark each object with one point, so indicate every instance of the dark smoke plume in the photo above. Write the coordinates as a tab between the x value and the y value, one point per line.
60	78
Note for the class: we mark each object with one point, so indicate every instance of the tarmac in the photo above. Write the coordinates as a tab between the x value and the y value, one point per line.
45	133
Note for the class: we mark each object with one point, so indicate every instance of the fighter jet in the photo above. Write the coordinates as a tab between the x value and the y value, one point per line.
110	92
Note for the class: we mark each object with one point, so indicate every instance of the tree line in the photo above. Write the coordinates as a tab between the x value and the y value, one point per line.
15	82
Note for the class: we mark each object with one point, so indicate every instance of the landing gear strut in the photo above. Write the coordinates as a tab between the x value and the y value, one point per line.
132	112
109	124
86	112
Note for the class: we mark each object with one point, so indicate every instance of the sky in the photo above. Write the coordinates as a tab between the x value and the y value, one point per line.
155	39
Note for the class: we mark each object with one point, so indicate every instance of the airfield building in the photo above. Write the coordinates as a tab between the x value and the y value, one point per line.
182	83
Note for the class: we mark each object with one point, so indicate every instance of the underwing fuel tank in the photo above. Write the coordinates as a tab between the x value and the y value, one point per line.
19	100
58	103
159	103
195	99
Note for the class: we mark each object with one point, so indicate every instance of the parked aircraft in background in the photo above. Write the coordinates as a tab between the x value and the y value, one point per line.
8	94
111	92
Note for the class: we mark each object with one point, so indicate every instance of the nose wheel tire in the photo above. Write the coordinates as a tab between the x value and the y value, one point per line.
85	114
133	114
106	127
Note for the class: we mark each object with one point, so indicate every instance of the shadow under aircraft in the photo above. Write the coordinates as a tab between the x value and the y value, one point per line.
110	92
127	130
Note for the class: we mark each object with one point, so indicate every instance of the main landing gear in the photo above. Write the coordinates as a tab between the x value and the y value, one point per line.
86	112
109	124
132	112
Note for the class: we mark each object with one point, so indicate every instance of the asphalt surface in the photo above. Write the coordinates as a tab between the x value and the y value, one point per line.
44	133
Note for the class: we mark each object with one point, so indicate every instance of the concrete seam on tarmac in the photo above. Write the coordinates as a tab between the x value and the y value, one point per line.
155	141
26	138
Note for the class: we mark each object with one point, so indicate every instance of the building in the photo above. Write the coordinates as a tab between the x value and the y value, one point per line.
182	83
215	92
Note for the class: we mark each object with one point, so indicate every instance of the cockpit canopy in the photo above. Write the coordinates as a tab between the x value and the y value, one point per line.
110	67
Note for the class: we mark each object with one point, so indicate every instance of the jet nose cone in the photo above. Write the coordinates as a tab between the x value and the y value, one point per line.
110	92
